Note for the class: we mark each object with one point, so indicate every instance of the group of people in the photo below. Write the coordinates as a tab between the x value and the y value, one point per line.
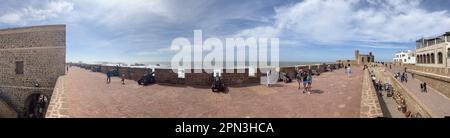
423	87
304	76
403	77
348	70
37	108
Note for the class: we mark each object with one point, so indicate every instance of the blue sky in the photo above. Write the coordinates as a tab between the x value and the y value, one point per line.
310	30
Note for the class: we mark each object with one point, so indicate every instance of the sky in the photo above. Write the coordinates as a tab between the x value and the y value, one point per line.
134	31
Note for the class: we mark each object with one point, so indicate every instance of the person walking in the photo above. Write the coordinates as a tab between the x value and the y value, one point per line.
421	87
425	87
305	80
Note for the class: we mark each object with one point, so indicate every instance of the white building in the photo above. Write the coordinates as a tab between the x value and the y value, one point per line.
405	57
434	52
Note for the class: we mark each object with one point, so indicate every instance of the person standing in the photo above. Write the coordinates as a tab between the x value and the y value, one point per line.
299	78
425	87
309	80
123	79
345	69
349	71
406	77
269	73
108	77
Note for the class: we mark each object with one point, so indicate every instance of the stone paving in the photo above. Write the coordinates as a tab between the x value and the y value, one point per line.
57	107
370	105
437	104
86	94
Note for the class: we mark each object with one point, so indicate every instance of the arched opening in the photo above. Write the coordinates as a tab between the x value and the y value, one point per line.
432	58
417	58
420	59
36	106
440	58
428	59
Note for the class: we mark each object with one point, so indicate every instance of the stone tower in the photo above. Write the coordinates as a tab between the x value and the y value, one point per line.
357	57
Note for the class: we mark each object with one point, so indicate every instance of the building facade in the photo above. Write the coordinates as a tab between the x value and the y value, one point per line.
405	57
31	60
434	52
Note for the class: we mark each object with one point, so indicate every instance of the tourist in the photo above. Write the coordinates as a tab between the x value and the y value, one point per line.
390	66
345	69
309	80
299	78
402	78
405	75
380	86
108	77
405	69
425	87
421	87
123	79
268	77
305	80
349	71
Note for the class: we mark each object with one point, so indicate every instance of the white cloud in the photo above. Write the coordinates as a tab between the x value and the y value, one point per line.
51	9
119	12
341	21
10	18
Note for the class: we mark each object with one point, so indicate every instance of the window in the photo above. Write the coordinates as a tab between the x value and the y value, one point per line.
19	67
440	58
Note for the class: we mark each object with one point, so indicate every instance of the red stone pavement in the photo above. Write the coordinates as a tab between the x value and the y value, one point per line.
88	95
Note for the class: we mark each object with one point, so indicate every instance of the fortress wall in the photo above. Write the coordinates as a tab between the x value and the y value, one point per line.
167	76
203	79
41	50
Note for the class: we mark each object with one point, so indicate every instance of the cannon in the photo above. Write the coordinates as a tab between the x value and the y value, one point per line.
315	72
96	68
285	78
218	85
147	79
